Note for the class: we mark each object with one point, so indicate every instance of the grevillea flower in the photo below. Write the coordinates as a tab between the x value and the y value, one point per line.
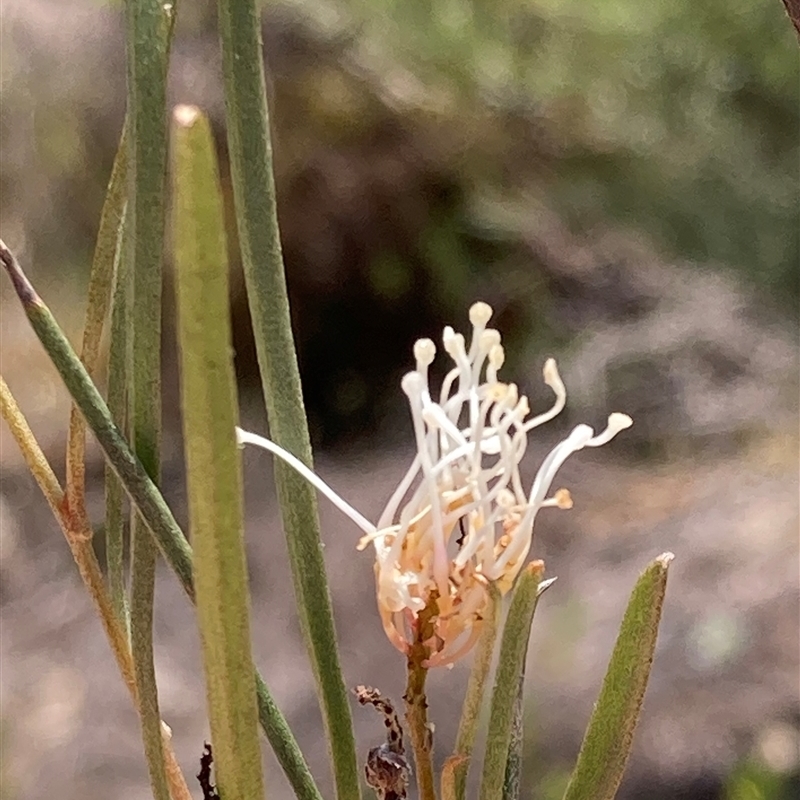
460	518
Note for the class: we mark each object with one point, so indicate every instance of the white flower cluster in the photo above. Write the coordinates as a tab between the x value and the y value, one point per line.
460	518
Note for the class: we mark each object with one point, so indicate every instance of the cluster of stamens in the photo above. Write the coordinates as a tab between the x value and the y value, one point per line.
460	518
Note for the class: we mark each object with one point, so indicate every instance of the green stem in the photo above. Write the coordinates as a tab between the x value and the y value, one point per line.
148	55
250	150
416	700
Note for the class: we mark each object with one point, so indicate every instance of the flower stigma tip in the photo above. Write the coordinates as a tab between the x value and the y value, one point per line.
460	519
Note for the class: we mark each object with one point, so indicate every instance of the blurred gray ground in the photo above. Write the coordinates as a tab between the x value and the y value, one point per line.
706	365
724	686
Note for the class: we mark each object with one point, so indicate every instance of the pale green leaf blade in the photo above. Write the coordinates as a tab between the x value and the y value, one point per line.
119	368
608	739
513	647
473	699
213	461
513	774
250	148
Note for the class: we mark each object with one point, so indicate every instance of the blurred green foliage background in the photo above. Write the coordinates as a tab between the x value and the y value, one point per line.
676	117
425	147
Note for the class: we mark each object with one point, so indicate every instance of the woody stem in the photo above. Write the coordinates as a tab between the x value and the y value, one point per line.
417	702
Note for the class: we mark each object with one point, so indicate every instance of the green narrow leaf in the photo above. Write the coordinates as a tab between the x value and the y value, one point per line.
147	499
512	780
473	699
284	745
513	774
143	577
120	360
148	55
141	489
608	739
101	282
513	647
250	150
213	461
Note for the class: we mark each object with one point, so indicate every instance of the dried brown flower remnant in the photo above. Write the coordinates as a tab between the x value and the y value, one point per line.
387	769
204	776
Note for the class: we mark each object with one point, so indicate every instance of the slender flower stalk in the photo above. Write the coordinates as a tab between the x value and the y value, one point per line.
460	519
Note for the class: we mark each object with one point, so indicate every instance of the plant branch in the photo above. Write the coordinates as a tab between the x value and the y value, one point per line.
140	487
793	10
419	730
147	499
79	541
